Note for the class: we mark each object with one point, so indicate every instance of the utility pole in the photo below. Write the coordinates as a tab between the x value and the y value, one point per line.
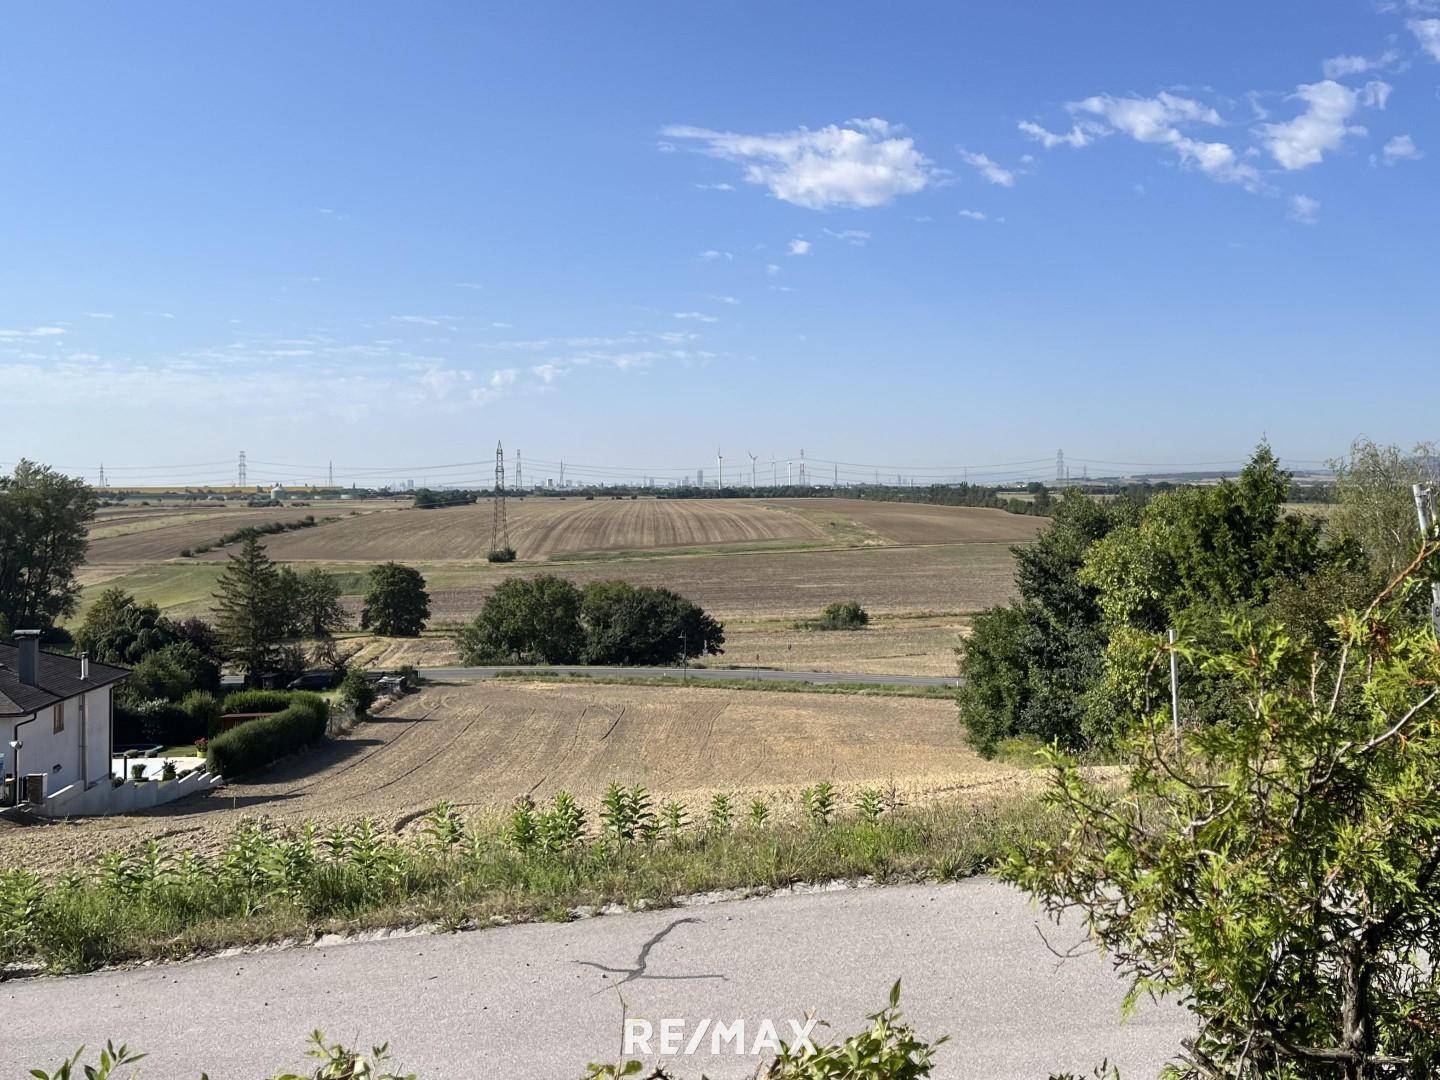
802	467
1174	688
500	528
789	474
102	474
836	483
519	472
1425	511
240	471
1060	466
330	476
562	472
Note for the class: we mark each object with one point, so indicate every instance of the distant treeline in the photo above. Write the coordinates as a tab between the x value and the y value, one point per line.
1037	501
246	532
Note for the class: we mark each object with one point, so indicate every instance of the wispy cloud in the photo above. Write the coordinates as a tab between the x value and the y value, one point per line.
799	247
713	255
1427	33
1340	67
696	316
855	237
858	164
1304	209
974	215
33	332
99	315
1400	148
989	169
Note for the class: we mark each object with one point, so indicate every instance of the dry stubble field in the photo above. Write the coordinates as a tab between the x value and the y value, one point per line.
482	745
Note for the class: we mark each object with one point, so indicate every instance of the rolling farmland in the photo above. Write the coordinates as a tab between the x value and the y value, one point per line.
482	745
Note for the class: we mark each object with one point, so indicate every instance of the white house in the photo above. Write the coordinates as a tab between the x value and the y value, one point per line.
54	717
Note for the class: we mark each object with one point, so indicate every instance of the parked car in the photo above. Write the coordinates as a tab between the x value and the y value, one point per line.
316	679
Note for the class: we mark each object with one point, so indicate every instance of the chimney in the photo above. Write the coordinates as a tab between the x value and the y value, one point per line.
29	644
84	666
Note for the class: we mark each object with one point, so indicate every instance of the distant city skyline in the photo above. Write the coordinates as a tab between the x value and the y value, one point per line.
377	236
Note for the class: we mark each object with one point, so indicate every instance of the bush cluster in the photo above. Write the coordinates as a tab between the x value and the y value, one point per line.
257	743
548	620
271	701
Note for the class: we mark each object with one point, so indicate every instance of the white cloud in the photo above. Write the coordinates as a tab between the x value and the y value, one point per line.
726	299
1400	148
712	255
772	269
99	315
989	169
716	187
696	316
33	332
974	215
1078	136
862	163
1427	33
1160	120
1304	209
1338	67
799	247
468	285
1323	126
547	373
855	237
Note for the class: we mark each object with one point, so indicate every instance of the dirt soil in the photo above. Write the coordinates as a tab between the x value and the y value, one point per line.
482	745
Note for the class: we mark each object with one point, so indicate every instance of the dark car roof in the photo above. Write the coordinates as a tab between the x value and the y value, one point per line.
58	678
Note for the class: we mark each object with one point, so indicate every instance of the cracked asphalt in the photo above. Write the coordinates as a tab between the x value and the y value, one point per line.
538	1002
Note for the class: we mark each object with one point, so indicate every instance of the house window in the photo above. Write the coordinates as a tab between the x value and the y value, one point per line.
59	717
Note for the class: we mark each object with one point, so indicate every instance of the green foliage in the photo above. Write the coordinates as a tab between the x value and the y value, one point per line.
119	630
1375	505
819	802
759	812
396	602
1069	662
256	743
111	1058
500	555
722	813
547	620
253	701
339	1063
627	815
869	804
312	599
526	621
640	625
357	691
43	521
251	617
842	615
267	883
1280	871
155	720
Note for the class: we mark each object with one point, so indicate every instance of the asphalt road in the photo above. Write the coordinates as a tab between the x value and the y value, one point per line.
697	674
538	1002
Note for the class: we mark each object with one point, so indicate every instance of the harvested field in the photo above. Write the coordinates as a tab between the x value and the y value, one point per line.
482	745
540	528
920	646
961	578
163	535
921	523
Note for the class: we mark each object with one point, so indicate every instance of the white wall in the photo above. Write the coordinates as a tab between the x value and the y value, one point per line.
43	748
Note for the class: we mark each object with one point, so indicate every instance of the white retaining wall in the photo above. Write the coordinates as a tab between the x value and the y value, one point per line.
106	798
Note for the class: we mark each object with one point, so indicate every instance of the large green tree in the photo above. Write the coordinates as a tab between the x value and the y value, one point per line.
640	624
532	620
1026	664
43	522
396	602
251	617
1374	502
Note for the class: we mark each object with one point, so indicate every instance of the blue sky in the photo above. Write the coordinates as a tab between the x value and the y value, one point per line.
389	235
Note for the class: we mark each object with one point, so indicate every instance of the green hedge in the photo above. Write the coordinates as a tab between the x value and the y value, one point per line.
256	743
258	701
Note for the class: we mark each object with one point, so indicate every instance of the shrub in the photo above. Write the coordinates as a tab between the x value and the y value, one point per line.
257	743
843	615
154	721
202	708
356	691
270	701
505	554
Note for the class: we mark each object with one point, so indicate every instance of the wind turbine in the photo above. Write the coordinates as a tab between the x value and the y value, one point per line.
720	469
752	469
